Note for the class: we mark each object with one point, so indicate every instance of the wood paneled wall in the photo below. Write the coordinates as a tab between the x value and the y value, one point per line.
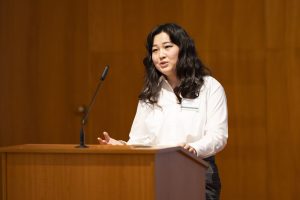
53	52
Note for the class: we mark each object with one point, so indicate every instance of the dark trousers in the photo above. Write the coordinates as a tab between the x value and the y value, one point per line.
212	180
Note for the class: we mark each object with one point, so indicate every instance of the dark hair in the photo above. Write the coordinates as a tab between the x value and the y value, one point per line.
189	69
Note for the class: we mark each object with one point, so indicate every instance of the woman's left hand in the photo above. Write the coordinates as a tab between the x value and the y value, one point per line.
189	148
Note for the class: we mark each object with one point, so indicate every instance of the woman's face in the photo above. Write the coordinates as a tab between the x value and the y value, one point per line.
165	55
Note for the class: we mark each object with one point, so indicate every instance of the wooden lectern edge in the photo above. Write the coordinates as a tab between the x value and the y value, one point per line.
72	148
193	157
107	149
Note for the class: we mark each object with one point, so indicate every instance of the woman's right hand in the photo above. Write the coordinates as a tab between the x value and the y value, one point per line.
108	140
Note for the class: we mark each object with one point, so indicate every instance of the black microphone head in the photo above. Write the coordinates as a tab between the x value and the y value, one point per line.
104	73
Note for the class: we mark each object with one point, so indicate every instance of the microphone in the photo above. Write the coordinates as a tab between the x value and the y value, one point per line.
86	114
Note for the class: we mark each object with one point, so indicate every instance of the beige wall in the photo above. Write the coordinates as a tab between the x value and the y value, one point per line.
53	52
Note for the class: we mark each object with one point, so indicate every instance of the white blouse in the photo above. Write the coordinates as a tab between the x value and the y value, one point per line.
200	122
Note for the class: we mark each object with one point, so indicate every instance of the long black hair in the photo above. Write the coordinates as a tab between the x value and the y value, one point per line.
189	69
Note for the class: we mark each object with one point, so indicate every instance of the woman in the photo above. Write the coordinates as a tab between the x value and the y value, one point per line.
180	104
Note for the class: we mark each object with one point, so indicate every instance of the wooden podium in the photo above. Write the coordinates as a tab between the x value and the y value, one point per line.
63	172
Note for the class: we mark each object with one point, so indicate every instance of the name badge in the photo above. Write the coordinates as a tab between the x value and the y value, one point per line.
190	104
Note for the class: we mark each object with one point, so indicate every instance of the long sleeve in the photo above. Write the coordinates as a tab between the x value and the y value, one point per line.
216	127
139	133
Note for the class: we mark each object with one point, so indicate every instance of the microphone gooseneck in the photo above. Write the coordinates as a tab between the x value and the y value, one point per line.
86	114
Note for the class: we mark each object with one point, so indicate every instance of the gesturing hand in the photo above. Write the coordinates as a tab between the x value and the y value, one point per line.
108	140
